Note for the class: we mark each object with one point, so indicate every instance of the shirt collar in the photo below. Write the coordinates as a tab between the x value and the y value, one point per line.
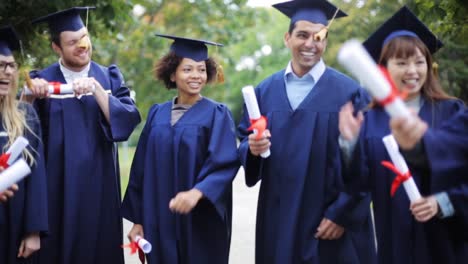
316	72
71	75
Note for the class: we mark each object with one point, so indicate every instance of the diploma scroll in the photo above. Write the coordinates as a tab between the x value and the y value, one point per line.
16	149
258	122
357	60
54	88
143	244
14	174
400	164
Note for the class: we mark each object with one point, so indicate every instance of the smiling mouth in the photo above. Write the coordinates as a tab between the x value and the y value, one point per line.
4	82
308	54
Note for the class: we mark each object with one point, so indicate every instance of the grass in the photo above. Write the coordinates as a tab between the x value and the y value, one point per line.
125	161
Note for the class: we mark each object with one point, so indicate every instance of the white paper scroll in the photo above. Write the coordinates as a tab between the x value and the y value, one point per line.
143	244
59	89
399	162
253	110
354	57
14	174
16	149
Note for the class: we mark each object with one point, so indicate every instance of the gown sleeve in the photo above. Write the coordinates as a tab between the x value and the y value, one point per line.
221	164
124	115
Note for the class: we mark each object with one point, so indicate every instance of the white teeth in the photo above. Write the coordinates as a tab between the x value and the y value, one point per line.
411	81
308	53
194	85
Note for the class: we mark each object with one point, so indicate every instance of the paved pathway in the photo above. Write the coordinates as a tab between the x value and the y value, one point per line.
243	233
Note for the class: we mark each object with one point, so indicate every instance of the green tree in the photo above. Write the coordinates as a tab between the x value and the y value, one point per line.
447	18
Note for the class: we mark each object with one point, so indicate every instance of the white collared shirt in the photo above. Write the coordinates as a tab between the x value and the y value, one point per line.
297	88
70	75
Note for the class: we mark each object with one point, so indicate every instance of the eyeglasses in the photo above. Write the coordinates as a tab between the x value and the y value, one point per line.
4	65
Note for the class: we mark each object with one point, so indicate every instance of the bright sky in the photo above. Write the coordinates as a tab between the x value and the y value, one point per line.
255	3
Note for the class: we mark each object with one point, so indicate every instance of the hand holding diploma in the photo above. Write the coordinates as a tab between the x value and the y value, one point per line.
401	169
42	88
138	243
357	60
10	192
258	122
53	88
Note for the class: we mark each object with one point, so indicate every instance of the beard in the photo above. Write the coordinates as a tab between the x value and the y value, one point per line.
76	63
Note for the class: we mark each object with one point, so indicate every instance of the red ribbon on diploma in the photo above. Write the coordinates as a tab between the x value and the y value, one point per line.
399	179
56	86
394	93
258	124
134	248
4	160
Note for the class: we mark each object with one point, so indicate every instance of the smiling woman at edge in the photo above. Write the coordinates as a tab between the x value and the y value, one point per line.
23	219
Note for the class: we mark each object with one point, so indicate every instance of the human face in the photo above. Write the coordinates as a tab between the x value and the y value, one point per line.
190	78
409	74
74	56
8	74
305	51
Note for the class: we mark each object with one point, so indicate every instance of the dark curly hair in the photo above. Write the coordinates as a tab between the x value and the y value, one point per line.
168	64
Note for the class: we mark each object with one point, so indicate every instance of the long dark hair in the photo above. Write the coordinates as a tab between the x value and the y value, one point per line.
405	47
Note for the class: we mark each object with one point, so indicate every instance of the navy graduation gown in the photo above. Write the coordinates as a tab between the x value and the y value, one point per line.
199	151
26	212
400	238
82	169
447	153
301	181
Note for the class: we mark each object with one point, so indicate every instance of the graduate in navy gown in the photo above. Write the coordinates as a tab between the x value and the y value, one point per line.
179	196
80	132
23	218
302	215
424	234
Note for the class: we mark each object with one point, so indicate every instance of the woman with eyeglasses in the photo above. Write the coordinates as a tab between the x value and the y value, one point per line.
23	217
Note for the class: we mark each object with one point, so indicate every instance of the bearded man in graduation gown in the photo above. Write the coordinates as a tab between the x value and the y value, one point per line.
303	214
80	132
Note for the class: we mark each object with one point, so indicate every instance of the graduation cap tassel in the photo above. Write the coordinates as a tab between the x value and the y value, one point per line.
323	33
435	69
219	74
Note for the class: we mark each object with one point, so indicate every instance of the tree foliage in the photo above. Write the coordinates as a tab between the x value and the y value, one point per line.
253	38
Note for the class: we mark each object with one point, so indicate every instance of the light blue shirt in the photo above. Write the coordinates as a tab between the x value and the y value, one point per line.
297	88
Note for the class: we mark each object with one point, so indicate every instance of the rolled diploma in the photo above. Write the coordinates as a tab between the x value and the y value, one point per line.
399	162
60	89
357	60
143	244
252	108
16	149
14	174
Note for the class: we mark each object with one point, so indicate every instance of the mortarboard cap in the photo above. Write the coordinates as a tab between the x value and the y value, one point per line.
9	40
402	23
315	11
194	49
65	20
